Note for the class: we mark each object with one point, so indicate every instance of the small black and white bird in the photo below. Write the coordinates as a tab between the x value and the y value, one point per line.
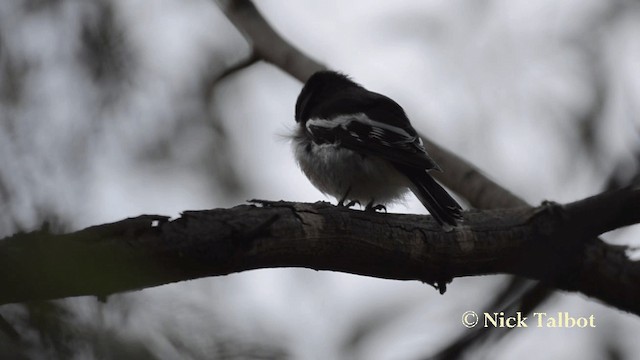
357	145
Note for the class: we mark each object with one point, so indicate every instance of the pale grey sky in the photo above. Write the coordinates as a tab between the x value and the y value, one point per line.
502	83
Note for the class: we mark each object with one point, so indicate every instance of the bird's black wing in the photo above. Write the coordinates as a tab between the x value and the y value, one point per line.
374	125
370	124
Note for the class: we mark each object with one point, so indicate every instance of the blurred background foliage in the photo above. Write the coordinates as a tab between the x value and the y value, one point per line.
114	108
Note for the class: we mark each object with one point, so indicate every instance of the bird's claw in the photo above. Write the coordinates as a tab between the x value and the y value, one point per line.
376	208
349	204
353	203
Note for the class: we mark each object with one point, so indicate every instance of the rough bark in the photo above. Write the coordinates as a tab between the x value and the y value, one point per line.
550	243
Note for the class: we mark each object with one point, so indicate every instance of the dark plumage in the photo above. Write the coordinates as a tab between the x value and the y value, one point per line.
355	144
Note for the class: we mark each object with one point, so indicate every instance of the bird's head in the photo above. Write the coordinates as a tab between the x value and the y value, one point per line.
319	87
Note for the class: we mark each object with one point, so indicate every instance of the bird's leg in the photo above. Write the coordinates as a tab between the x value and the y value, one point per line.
375	208
352	203
344	198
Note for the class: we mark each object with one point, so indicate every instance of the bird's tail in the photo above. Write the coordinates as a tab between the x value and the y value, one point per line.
436	199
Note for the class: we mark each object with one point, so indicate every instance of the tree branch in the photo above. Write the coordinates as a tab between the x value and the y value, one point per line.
547	243
266	42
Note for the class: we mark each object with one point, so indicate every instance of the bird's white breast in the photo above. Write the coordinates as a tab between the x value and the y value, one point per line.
334	170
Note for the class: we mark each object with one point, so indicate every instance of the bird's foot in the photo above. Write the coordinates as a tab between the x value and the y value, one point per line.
348	205
375	208
344	198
